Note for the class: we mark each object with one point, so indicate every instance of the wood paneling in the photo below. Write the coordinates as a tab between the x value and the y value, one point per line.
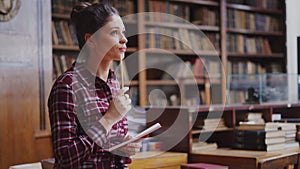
24	45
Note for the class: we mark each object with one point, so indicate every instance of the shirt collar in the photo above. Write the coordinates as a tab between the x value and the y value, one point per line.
89	78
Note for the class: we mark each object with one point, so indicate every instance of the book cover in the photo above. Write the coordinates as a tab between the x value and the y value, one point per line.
203	166
136	137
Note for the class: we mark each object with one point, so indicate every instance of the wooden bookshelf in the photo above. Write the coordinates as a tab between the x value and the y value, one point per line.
221	12
191	117
65	47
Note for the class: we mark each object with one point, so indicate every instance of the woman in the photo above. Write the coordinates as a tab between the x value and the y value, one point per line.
87	108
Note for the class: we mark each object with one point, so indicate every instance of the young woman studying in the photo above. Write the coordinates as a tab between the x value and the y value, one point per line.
87	108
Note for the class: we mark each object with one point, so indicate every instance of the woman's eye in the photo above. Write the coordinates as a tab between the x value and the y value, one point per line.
114	32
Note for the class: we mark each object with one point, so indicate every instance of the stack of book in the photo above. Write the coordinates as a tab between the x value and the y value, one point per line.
267	137
253	121
211	124
259	140
290	130
203	146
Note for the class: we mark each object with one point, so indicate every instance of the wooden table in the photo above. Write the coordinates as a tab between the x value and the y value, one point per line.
247	159
143	160
158	160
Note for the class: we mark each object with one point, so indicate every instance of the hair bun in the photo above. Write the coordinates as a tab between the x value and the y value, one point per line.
84	4
77	9
81	5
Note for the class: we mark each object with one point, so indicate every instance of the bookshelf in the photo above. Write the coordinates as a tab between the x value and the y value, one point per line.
236	37
192	121
256	39
64	41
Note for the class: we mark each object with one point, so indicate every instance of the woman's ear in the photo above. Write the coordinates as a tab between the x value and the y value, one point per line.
89	41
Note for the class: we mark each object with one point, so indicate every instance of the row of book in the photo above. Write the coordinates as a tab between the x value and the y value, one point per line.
125	7
63	6
251	21
199	68
61	63
265	4
181	39
246	44
179	10
245	67
63	33
205	16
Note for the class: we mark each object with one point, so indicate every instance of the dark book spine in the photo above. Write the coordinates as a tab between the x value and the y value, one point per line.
243	146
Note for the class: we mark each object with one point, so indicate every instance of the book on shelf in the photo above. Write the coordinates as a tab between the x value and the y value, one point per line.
181	39
245	20
156	6
255	117
55	39
245	44
125	7
59	33
214	123
259	147
288	120
61	63
63	33
200	146
264	4
246	135
269	126
259	140
271	136
205	16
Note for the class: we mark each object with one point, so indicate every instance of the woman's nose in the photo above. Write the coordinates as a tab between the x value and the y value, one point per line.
123	39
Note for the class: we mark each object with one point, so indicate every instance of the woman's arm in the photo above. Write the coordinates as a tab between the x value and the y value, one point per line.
70	149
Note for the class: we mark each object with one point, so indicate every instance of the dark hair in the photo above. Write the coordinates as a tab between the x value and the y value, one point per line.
88	18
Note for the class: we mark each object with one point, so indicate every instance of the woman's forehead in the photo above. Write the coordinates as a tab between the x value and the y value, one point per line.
115	21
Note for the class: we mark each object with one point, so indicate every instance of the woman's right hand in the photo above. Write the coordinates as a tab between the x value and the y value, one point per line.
118	108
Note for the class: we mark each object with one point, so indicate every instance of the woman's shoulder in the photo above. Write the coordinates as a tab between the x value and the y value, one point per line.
74	76
65	78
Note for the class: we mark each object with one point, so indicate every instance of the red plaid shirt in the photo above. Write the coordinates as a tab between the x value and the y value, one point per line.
77	101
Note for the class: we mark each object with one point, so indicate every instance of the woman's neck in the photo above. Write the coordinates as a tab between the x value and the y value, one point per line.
101	70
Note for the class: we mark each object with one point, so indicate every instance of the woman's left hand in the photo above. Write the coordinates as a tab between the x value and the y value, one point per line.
131	148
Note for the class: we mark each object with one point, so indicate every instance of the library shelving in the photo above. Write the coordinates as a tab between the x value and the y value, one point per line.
211	39
64	41
193	122
255	39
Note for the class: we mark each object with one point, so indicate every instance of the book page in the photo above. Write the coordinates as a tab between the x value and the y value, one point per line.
136	137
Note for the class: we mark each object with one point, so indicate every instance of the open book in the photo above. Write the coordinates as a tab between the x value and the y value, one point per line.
136	137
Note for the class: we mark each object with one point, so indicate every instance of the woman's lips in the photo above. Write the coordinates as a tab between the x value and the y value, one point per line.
123	49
